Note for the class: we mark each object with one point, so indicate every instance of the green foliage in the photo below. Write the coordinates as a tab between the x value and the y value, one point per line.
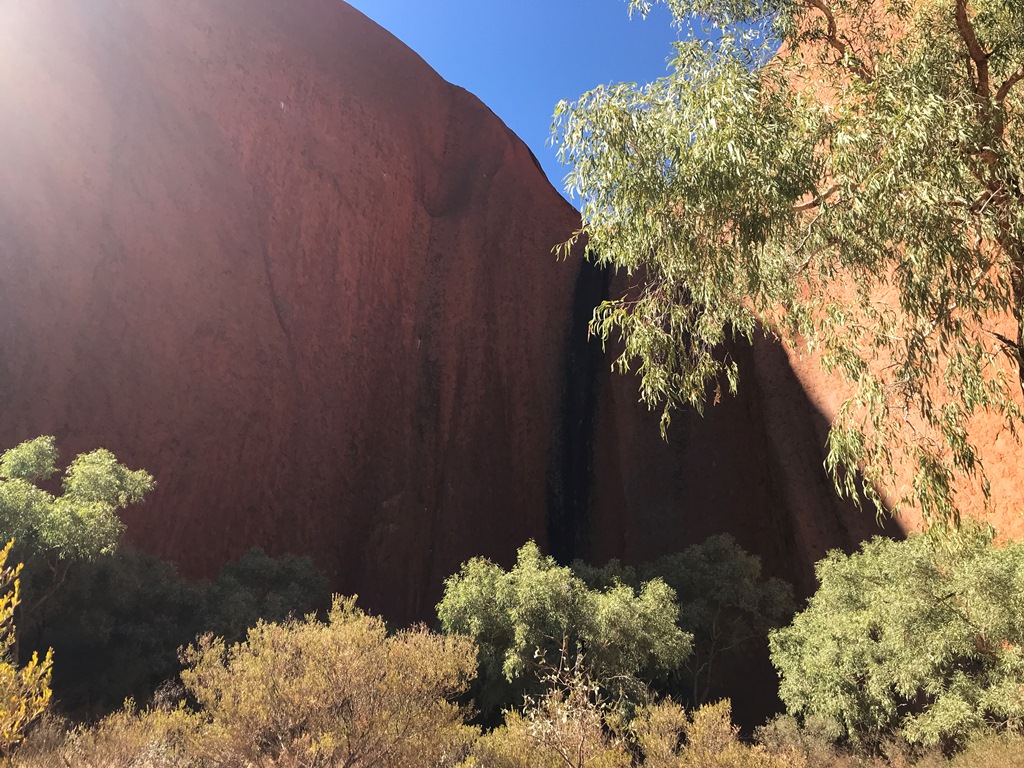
723	603
80	523
860	192
343	692
117	617
116	624
523	618
256	587
117	621
922	638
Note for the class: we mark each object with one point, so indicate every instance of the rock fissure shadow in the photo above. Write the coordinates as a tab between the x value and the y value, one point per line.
570	477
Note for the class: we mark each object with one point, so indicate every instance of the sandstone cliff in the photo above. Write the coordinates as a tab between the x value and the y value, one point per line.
262	250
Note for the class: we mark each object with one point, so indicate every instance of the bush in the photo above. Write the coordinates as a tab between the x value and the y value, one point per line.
572	726
1000	751
724	603
921	639
812	743
25	691
569	726
523	619
155	738
117	622
341	693
669	737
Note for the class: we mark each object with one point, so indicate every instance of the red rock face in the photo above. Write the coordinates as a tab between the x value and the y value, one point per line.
262	250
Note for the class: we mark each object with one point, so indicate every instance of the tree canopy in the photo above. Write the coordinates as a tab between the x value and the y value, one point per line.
922	638
52	531
846	174
81	522
723	602
526	619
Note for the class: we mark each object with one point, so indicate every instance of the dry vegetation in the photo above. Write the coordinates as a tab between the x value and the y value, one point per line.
346	693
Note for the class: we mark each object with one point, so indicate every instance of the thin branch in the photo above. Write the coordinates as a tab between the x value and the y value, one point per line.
1009	345
817	200
836	41
988	197
1005	88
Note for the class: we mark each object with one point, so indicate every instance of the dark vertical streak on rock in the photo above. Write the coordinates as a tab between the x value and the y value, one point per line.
571	471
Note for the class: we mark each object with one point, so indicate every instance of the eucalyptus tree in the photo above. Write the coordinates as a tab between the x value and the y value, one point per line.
52	531
845	174
920	639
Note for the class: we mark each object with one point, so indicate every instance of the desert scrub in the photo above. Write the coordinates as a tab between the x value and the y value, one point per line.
345	692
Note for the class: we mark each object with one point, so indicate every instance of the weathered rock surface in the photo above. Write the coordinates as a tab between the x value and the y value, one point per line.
262	250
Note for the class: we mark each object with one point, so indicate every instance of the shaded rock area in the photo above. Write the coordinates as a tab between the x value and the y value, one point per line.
262	250
752	466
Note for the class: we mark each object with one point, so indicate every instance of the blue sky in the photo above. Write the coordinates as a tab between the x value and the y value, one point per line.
521	56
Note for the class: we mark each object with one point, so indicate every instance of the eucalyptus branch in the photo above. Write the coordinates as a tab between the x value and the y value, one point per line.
919	204
817	200
974	48
838	43
986	198
1007	86
1009	345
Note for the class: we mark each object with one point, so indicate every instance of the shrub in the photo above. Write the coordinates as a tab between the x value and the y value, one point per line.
343	692
922	638
998	751
155	738
569	726
572	726
669	737
25	691
521	619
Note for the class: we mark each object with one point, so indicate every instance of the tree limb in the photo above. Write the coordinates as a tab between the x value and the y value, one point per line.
977	53
817	200
1006	87
836	41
